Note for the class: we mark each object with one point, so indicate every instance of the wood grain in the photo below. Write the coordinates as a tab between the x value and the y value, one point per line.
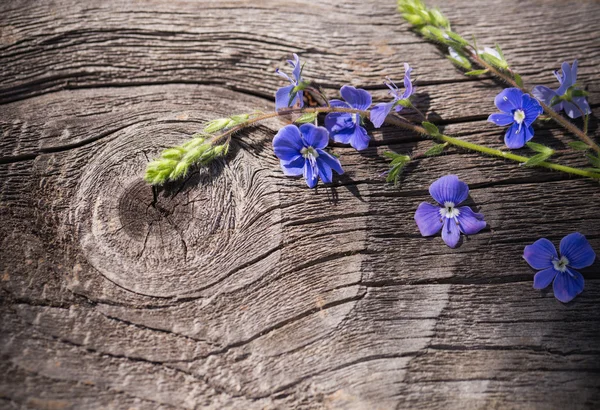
239	287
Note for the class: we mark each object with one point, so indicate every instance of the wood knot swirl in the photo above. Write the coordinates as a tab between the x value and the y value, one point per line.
181	239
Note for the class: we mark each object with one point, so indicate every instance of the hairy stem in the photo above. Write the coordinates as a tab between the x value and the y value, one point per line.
582	135
393	120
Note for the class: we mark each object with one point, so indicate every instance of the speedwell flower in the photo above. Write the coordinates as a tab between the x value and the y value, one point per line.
345	127
300	151
284	94
576	253
381	110
448	191
573	106
518	109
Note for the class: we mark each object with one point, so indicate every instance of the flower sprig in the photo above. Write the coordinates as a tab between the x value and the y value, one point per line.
345	123
433	25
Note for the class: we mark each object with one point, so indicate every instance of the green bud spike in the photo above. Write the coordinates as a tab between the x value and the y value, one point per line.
217	125
476	72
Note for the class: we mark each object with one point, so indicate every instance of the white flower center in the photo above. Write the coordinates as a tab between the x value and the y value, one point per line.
519	116
560	264
309	153
449	211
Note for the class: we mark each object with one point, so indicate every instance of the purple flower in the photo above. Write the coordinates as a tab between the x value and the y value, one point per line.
573	106
576	253
518	109
284	94
300	151
344	127
381	110
448	191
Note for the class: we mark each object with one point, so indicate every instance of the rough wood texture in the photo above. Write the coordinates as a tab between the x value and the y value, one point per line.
239	288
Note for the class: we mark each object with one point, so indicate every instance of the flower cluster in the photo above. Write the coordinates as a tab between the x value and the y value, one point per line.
301	152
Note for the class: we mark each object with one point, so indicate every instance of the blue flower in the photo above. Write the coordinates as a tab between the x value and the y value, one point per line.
284	94
518	109
381	111
300	151
448	191
573	106
344	127
576	253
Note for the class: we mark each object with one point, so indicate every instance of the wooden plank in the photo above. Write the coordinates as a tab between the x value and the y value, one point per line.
239	288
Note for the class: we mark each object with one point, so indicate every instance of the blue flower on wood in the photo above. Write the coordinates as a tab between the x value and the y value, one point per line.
575	253
449	192
519	110
290	95
300	151
345	127
381	110
574	106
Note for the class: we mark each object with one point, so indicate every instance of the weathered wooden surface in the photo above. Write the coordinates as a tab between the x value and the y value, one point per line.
240	288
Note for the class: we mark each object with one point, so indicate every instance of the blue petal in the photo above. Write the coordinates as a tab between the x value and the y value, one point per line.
540	254
408	87
287	143
314	136
339	122
324	171
509	99
543	278
330	160
357	98
543	93
311	174
470	222
339	104
294	167
566	80
516	138
575	110
297	67
282	97
532	109
576	248
574	71
380	112
449	189
567	285
501	119
451	233
359	140
428	219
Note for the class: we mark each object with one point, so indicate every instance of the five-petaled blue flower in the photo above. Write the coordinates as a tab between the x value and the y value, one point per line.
576	253
345	127
573	108
300	151
284	94
518	109
381	110
448	191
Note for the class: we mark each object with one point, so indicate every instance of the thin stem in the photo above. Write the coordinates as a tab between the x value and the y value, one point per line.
586	120
393	120
582	135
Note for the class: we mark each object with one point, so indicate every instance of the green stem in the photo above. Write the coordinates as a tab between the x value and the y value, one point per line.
582	135
393	120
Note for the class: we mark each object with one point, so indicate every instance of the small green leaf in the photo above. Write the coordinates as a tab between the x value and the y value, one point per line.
306	118
536	160
437	149
594	160
431	128
518	80
579	145
579	93
476	72
540	148
396	165
414	19
458	39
